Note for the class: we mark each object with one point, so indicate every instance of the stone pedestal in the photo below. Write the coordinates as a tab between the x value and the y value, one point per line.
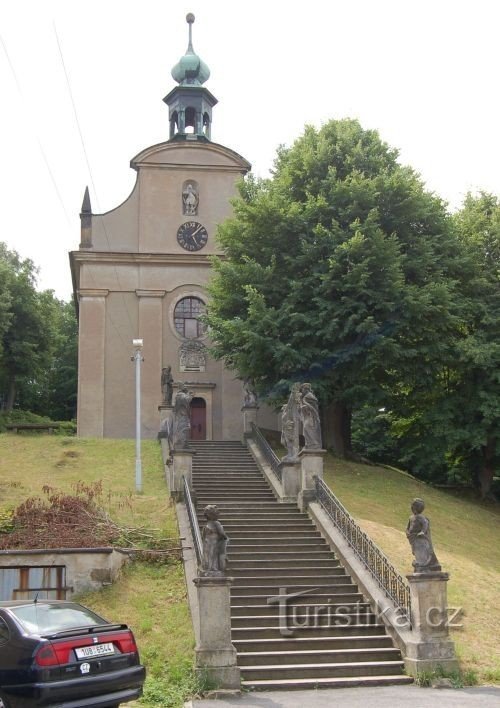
291	474
431	647
182	466
311	461
249	417
215	654
166	413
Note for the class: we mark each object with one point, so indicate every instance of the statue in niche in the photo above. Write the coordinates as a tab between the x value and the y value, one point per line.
290	425
192	356
250	397
167	385
190	198
309	415
214	543
418	533
181	418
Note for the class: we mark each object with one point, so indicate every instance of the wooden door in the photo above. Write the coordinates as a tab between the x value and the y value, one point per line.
198	419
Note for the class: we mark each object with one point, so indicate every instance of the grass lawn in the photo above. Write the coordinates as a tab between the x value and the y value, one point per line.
466	537
150	598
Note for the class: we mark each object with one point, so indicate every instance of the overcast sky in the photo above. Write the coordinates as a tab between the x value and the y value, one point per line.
424	73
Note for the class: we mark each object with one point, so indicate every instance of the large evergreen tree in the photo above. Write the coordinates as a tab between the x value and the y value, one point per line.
342	270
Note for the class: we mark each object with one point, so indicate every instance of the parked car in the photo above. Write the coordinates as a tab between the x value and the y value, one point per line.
61	654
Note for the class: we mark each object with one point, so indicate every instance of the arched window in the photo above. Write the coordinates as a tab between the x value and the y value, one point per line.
186	314
190	120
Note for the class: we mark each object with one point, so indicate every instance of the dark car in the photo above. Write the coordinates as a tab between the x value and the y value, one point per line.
63	655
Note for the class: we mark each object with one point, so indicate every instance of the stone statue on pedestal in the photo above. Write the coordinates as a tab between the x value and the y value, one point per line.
290	425
214	543
250	397
309	415
181	418
167	388
418	533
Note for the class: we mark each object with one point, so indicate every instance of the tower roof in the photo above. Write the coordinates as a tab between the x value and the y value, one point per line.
190	70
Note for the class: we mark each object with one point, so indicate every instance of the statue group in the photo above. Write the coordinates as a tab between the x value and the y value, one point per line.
301	408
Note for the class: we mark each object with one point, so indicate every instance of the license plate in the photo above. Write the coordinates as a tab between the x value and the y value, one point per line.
95	650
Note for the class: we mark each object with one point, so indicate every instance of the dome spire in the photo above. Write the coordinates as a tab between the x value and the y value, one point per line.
190	70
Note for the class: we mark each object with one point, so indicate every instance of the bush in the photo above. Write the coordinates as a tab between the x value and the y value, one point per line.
66	427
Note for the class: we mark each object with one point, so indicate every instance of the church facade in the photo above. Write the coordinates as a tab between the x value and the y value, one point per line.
142	269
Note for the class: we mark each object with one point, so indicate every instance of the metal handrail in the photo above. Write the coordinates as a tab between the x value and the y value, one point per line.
271	458
193	520
372	557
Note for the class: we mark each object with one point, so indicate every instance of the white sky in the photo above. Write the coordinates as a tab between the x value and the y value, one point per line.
425	73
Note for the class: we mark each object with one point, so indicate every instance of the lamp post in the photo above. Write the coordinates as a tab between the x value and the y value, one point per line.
138	344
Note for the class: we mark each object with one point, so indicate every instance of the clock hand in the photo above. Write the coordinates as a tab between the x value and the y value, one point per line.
195	232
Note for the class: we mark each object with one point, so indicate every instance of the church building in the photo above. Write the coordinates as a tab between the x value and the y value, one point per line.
142	269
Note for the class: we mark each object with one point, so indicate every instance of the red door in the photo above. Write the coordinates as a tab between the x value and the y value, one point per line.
198	419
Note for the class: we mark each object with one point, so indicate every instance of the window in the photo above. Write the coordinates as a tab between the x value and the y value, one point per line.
186	314
4	631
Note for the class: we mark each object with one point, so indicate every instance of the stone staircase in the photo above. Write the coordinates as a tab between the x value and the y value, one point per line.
274	548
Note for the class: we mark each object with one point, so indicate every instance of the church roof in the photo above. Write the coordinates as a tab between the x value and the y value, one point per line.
190	70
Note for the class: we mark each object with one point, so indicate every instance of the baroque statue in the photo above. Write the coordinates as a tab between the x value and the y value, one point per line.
167	385
250	397
190	199
290	425
309	415
181	418
418	533
214	543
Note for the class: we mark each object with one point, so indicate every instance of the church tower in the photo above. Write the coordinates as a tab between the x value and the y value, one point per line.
141	271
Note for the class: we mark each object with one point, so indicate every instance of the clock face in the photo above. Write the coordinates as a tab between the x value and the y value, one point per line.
192	236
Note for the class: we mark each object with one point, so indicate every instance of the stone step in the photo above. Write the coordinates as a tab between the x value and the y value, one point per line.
263	558
361	609
311	573
297	620
302	684
307	583
343	594
275	631
282	545
232	528
319	656
289	578
271	564
315	643
256	534
327	670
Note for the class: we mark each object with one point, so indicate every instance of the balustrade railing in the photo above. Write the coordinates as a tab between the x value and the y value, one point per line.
391	582
270	456
193	521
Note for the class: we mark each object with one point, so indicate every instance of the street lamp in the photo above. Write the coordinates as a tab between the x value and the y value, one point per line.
138	344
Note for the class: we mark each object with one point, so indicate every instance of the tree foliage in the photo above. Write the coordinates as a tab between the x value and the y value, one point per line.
340	269
37	342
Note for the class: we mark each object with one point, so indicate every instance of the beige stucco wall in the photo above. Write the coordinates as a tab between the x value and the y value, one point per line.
129	281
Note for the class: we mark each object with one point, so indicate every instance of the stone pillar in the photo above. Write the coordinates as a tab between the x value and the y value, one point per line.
182	466
311	461
91	343
291	476
151	331
249	417
215	654
431	646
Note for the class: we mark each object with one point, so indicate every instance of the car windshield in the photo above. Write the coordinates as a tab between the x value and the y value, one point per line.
45	618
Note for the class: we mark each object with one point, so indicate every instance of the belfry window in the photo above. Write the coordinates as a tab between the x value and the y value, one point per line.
186	317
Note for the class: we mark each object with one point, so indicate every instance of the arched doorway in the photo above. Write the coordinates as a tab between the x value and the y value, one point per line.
198	419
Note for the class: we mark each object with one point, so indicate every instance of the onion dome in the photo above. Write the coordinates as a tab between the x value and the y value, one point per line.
190	70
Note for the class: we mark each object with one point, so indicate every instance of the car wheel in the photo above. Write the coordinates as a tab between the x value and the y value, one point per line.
3	702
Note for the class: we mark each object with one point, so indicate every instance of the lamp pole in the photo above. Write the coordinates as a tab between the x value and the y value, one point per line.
138	344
